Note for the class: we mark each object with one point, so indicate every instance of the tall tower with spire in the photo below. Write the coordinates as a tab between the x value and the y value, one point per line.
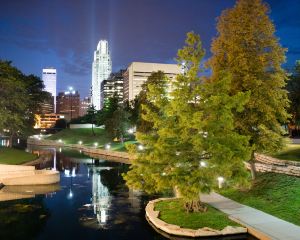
101	71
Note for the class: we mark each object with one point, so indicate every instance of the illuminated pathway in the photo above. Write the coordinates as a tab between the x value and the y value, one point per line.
259	224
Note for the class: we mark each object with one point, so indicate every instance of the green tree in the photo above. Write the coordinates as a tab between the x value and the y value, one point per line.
21	97
247	49
91	117
192	141
61	123
134	107
105	114
293	88
37	96
118	124
13	100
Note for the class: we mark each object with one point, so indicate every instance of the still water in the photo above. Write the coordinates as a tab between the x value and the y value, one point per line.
90	202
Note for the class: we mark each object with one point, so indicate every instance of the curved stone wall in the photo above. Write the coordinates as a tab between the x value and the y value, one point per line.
153	217
269	164
85	149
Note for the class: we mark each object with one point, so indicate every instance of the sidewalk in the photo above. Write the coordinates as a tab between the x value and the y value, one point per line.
259	224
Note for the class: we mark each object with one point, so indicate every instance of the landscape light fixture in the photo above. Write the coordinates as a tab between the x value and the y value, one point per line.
141	147
220	181
130	131
202	164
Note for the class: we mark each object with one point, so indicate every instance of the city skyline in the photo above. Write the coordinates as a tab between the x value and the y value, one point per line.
66	34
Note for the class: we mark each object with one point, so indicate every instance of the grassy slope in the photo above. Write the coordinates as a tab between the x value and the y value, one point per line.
290	152
15	156
72	136
172	212
276	194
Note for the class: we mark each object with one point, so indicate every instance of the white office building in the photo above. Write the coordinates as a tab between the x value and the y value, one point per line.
138	72
49	79
101	71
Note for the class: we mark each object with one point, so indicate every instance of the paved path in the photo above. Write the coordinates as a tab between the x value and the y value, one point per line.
295	140
259	224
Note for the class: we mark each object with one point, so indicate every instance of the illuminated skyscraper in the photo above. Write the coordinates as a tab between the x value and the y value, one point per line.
49	79
101	71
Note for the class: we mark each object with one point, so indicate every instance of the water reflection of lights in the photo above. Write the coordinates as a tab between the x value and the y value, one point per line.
70	195
73	172
67	172
70	173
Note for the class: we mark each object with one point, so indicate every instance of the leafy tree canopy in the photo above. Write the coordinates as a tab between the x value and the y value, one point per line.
192	141
247	49
20	98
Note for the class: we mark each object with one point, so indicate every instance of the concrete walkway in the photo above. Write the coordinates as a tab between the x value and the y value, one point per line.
259	224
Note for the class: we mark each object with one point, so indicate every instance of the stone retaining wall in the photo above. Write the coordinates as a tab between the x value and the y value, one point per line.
271	160
85	149
153	217
269	164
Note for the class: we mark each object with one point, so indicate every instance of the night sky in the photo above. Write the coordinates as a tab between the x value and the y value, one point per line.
35	34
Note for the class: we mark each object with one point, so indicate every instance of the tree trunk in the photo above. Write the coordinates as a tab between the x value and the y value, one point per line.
252	166
93	129
11	140
176	192
195	206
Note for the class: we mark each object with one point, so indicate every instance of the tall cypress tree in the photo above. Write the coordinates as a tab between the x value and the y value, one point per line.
246	48
192	141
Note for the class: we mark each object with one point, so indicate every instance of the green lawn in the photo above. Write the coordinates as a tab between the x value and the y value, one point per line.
276	194
172	211
290	152
73	136
15	156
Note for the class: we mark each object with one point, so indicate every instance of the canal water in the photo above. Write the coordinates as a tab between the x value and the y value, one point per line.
90	202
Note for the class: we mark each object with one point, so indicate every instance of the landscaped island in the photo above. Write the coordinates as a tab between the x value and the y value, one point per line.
171	211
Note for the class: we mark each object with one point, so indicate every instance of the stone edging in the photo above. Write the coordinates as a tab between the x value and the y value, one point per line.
269	164
275	161
85	149
172	229
33	162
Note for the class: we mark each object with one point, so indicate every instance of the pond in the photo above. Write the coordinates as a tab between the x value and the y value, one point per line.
90	202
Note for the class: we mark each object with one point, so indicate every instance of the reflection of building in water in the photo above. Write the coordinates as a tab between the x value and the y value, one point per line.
101	197
134	199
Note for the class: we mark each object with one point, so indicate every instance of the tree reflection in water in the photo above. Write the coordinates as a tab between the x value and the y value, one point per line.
20	218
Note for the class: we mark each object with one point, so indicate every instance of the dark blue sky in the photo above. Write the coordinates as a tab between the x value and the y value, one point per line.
64	33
